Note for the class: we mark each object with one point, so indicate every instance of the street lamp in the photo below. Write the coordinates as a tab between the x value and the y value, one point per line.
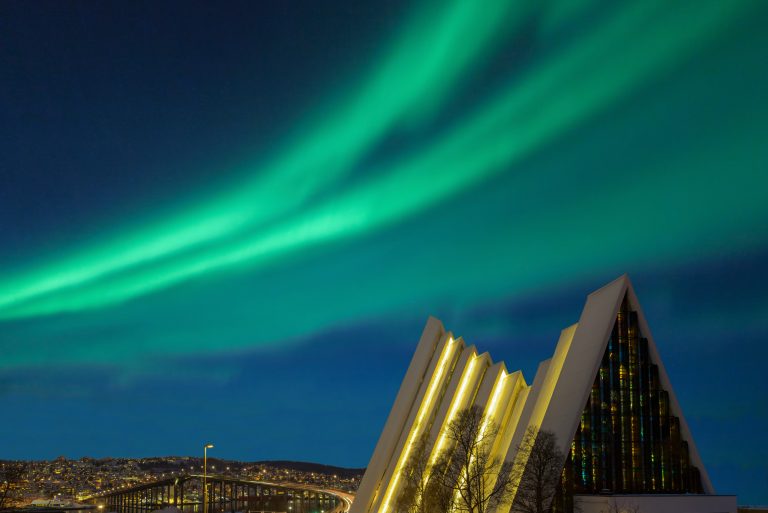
205	476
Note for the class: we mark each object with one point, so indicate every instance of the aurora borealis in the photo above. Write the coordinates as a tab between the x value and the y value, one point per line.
237	208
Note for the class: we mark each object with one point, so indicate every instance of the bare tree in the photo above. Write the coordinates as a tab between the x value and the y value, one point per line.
421	490
621	507
475	479
539	472
11	476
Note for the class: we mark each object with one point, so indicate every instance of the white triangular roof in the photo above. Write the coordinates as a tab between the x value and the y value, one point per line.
583	355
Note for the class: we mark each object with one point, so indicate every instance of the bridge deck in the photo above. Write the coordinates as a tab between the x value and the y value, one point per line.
226	494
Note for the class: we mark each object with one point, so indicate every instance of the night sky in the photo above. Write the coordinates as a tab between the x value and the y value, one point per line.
230	221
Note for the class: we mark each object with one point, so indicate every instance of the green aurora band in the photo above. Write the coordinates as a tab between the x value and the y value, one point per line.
489	163
427	61
283	212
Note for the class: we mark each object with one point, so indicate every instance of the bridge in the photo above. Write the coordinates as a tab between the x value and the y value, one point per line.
226	494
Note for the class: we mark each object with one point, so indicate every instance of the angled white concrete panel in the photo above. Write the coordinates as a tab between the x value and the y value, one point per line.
581	361
531	399
420	410
460	370
406	397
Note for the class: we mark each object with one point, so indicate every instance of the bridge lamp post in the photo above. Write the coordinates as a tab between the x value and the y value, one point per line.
205	476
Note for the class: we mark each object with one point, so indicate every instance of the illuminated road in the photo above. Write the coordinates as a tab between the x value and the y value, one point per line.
345	498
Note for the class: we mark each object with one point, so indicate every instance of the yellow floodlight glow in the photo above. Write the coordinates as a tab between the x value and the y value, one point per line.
415	431
503	420
547	389
489	414
457	401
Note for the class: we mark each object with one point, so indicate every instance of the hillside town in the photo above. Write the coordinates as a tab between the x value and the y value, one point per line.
68	480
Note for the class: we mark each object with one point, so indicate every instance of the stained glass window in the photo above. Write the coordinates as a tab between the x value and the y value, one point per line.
628	441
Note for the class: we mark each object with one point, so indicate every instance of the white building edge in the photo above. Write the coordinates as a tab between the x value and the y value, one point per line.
446	376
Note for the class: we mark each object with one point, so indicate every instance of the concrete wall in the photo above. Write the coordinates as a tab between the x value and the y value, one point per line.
655	503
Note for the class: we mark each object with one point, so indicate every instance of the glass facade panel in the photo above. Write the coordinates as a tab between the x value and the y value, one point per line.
627	441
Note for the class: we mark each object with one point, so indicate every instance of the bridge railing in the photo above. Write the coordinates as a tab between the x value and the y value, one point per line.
225	495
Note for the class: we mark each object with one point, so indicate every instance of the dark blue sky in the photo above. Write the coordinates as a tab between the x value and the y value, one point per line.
230	222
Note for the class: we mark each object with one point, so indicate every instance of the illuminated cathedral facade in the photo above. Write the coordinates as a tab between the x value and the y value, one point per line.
604	394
